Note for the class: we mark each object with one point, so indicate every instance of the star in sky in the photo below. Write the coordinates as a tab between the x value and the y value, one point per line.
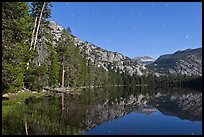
153	21
187	36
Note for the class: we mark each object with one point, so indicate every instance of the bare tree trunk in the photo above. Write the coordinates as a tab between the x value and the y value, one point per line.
62	74
62	87
26	128
33	34
68	77
36	36
62	103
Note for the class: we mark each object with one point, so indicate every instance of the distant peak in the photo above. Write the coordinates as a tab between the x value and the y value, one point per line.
142	57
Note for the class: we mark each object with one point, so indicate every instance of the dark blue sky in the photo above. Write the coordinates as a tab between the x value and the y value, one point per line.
133	28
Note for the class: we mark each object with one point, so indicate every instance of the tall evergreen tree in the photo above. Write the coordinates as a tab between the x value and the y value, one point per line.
54	69
16	31
40	11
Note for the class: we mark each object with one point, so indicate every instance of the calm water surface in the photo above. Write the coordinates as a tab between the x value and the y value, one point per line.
119	110
161	113
147	124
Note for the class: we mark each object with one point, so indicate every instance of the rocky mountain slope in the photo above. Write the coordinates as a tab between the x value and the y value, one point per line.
55	46
145	60
84	63
99	57
108	59
187	62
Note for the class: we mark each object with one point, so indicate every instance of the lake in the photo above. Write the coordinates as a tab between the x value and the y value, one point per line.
117	111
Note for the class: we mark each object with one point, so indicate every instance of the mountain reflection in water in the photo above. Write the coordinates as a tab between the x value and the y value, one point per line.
113	110
104	106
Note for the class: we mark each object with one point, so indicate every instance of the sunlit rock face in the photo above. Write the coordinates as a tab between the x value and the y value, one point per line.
145	60
54	33
50	34
188	62
56	30
109	60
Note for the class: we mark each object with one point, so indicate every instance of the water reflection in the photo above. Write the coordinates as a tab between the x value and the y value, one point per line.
91	109
147	124
186	106
96	111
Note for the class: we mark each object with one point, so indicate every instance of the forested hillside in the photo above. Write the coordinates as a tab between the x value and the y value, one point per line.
33	57
35	51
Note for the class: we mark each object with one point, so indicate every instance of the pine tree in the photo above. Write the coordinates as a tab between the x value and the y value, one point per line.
68	30
54	69
36	77
16	31
40	11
